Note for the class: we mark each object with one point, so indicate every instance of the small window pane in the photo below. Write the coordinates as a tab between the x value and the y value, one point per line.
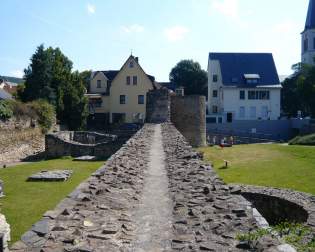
140	99
215	93
128	80
122	99
99	83
215	78
242	95
135	80
131	64
215	109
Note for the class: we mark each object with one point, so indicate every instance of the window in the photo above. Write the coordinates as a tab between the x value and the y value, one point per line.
128	80
305	45
99	84
242	112
140	99
135	80
131	64
252	112
211	120
214	109
219	119
264	112
215	93
215	78
242	95
252	81
258	95
122	99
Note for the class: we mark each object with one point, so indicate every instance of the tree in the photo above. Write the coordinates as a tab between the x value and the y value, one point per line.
50	77
189	75
298	91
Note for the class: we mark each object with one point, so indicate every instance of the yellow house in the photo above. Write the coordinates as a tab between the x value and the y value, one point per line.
120	96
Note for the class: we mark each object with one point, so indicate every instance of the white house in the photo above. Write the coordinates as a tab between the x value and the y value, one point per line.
242	86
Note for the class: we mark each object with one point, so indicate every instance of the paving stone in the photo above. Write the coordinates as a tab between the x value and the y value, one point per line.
55	175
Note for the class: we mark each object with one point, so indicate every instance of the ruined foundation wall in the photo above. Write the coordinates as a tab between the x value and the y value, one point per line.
99	215
67	143
188	114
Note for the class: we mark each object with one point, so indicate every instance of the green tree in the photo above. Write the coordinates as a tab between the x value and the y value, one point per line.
49	77
189	75
298	91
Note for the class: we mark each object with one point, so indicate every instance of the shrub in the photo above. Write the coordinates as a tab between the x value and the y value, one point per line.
6	111
303	140
45	113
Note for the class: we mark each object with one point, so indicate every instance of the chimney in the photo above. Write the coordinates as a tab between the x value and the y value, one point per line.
137	59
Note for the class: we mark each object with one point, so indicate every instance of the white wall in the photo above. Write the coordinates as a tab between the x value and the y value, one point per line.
232	103
214	69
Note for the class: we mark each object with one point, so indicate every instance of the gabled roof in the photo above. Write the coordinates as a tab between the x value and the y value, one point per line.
111	74
5	95
310	19
234	66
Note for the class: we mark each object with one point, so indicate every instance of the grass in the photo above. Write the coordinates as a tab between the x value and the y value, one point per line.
272	165
25	202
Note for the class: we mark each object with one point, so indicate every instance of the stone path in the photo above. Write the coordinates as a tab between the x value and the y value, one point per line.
154	215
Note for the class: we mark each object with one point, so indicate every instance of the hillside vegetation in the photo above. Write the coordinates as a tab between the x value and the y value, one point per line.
303	140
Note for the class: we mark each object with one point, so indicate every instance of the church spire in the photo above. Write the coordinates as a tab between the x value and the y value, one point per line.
310	20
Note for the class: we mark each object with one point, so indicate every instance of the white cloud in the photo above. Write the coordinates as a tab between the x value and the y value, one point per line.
135	28
90	8
228	8
175	33
17	73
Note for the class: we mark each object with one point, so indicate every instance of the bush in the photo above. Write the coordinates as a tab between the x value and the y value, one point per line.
6	111
45	113
303	140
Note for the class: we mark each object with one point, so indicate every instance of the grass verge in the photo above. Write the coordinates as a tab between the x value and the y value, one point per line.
272	165
25	202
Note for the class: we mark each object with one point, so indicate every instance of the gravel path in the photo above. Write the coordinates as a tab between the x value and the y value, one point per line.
154	215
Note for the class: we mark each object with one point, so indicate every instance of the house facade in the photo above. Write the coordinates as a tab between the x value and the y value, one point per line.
308	36
119	96
242	86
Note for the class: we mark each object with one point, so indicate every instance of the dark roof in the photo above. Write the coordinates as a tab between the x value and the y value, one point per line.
13	80
310	19
4	95
235	65
111	74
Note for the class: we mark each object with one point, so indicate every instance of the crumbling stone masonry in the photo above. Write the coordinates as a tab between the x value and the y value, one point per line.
188	114
101	214
158	106
76	144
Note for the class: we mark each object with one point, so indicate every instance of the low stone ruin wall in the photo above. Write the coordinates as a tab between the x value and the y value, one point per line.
279	205
99	214
72	143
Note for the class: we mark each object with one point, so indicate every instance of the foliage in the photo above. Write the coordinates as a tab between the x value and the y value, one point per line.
6	111
45	113
50	77
189	74
274	165
86	76
298	91
295	234
26	202
303	140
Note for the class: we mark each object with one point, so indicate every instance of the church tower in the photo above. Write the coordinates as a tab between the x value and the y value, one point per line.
308	36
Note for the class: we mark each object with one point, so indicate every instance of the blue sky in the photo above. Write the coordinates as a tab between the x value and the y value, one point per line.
100	34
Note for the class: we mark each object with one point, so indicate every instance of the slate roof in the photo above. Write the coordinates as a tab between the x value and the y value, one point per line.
111	74
4	95
310	19
235	65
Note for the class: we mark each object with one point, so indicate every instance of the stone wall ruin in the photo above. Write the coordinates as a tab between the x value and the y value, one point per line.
76	144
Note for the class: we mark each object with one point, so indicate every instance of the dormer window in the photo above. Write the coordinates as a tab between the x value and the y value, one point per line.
251	78
131	64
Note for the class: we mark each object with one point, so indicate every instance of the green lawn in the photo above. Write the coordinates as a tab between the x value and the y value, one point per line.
266	165
25	202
